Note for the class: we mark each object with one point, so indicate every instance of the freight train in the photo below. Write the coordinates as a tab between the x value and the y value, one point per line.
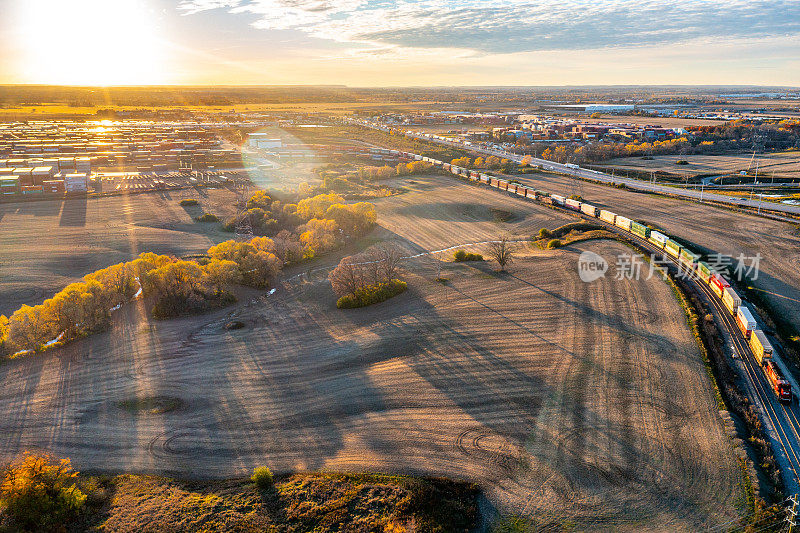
687	260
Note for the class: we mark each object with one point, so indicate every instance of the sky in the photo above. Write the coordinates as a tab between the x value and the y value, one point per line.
400	42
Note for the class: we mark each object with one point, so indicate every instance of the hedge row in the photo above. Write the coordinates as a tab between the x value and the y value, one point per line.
372	294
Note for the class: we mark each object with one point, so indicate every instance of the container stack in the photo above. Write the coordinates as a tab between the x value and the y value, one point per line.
83	164
76	182
9	184
53	186
41	174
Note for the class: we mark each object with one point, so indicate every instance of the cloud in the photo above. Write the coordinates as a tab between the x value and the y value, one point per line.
507	26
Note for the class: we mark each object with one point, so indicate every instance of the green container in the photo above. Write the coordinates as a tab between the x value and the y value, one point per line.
673	248
640	229
704	271
689	257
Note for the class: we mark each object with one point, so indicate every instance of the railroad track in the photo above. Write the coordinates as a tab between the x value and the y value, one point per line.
782	418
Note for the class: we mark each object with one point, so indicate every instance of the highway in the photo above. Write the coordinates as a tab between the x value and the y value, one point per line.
585	173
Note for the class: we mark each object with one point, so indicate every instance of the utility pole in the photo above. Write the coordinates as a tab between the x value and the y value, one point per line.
792	513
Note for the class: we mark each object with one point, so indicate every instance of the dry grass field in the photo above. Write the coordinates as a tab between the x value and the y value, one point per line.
46	245
576	405
783	164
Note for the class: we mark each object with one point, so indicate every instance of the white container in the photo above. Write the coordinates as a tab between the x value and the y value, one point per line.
731	300
607	216
745	320
623	222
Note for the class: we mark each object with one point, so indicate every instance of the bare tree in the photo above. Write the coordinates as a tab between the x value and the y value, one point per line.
391	256
502	251
347	277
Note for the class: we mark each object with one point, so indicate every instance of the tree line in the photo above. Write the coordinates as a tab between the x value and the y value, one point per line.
175	286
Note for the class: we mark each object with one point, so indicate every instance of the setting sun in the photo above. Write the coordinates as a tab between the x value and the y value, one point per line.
93	42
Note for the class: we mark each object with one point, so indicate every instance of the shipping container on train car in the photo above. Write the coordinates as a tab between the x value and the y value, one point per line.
446	166
731	300
673	248
607	216
558	200
689	258
745	320
640	229
589	209
573	204
761	346
780	385
658	238
718	284
623	222
704	271
474	175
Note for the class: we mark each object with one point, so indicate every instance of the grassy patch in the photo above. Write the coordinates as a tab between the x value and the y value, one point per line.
501	215
320	502
207	217
153	405
188	202
372	295
460	256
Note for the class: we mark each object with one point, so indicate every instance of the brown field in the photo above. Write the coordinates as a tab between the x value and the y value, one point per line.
784	164
577	405
720	230
668	122
46	245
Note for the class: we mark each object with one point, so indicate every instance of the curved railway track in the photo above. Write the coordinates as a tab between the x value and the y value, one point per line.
781	418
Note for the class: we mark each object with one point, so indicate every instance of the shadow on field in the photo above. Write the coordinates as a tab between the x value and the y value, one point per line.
73	212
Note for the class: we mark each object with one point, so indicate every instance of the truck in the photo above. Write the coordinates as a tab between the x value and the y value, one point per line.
572	166
762	349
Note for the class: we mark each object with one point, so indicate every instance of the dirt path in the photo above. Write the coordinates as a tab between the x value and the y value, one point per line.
571	403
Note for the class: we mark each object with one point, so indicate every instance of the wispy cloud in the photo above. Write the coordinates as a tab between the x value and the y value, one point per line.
505	26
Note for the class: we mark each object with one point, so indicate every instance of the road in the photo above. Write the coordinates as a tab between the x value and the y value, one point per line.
595	175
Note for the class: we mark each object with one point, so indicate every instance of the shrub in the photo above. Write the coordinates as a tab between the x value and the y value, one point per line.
262	477
544	233
461	256
188	201
208	217
372	294
555	243
40	494
681	162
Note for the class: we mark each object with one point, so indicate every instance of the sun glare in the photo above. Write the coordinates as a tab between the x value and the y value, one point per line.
90	42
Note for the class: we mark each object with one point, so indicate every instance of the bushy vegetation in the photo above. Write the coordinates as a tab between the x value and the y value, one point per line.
262	477
367	278
207	217
461	256
186	202
175	287
39	494
553	244
544	233
490	163
372	294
